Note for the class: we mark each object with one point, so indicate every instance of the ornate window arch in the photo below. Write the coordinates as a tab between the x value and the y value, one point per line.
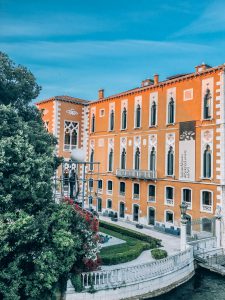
124	118
137	159
70	135
138	116
93	123
171	106
123	159
153	113
207	112
207	162
152	160
112	119
170	161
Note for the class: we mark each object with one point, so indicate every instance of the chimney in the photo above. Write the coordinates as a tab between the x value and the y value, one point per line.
156	79
146	82
100	94
202	67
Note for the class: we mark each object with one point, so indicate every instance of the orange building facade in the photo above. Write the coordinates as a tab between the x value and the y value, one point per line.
157	145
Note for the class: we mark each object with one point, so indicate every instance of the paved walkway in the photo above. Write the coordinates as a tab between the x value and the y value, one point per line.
170	243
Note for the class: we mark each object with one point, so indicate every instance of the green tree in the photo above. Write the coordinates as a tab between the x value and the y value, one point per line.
17	84
41	241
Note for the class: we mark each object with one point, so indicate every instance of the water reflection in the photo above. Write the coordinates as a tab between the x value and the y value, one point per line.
203	286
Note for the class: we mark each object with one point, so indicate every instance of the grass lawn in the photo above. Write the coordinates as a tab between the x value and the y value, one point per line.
124	252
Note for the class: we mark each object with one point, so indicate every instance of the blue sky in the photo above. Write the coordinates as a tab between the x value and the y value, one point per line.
75	47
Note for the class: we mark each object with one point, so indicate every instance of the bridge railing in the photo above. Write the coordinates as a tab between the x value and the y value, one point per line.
100	280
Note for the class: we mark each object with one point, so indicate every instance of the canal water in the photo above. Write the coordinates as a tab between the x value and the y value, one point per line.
204	285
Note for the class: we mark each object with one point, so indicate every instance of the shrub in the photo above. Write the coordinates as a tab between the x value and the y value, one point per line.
76	282
123	254
158	253
134	234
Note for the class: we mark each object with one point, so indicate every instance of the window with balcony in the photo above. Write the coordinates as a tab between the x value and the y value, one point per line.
124	119
109	187
109	204
169	217
122	188
171	108
110	166
111	122
93	123
137	159
169	196
123	159
207	203
207	114
187	197
70	135
136	191
170	162
207	160
100	185
153	114
138	116
92	160
151	193
152	165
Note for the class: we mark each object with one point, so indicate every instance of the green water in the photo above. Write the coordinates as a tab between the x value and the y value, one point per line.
203	286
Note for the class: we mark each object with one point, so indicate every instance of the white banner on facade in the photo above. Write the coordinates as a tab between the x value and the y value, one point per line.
187	151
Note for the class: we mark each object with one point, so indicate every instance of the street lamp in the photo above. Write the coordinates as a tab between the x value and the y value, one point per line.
183	209
183	226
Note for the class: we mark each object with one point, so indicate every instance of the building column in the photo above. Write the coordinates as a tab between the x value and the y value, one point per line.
183	234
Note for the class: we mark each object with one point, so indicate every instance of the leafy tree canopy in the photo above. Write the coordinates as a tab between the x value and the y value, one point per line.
41	241
17	84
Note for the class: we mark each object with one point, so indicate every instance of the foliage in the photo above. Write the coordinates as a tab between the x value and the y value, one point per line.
134	234
158	253
17	84
76	282
123	252
41	241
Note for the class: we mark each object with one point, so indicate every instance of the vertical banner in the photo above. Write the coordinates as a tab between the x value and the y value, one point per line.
187	151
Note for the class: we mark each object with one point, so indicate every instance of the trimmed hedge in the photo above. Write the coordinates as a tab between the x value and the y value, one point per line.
76	282
158	253
134	234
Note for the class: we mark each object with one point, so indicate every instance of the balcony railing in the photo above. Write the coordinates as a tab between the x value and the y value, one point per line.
151	198
109	192
136	196
122	193
169	202
68	147
140	174
207	208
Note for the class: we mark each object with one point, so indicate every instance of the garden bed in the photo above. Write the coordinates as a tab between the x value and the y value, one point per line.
135	244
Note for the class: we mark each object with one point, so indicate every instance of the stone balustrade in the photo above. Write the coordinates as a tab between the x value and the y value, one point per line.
114	278
140	174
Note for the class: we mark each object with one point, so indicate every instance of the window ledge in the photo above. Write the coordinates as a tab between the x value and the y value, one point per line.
206	178
137	128
122	129
153	126
170	124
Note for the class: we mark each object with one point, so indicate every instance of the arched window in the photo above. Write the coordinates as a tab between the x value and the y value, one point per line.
74	139
171	111
124	118
152	159
110	160
123	159
93	123
111	127
138	116
170	160
207	162
67	137
207	104
153	114
137	159
92	160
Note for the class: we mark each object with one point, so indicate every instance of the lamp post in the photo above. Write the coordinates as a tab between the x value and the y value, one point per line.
183	226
